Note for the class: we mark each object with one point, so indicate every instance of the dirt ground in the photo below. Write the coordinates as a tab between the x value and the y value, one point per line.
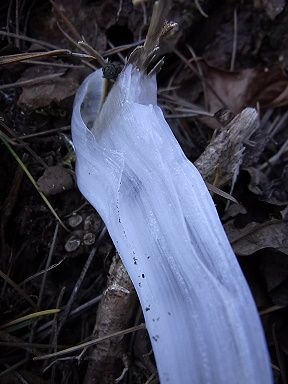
57	261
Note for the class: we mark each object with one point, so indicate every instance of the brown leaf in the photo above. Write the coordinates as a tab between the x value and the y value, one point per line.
274	267
55	90
55	180
275	192
248	87
256	236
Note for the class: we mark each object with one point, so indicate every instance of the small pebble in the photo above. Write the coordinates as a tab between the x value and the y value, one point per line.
92	223
89	238
75	220
72	244
55	179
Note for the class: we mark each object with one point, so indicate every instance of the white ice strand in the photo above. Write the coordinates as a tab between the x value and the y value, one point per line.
198	309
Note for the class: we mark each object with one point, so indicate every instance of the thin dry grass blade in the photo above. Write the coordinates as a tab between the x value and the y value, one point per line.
219	192
31	316
17	288
143	55
160	11
30	177
91	342
59	13
33	55
91	51
44	44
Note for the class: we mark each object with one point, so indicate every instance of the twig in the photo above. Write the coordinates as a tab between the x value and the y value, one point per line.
29	39
41	272
47	265
192	113
76	44
271	309
31	316
78	284
30	177
182	57
122	48
17	41
198	65
224	154
35	80
235	34
152	377
18	289
275	158
27	15
6	211
44	133
91	342
52	64
122	58
75	312
74	36
91	51
22	144
144	24
279	355
114	313
54	335
12	341
86	305
15	366
200	9
119	9
8	18
217	191
27	346
10	59
58	12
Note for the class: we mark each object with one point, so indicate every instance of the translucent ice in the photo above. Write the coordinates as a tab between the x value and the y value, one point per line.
198	309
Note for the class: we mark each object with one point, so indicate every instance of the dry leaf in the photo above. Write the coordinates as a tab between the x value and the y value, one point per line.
54	90
256	236
248	87
274	269
55	180
275	193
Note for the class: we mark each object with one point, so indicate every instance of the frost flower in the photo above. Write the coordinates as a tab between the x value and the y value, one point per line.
198	309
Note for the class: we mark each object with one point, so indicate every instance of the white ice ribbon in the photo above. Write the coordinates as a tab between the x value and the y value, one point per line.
198	309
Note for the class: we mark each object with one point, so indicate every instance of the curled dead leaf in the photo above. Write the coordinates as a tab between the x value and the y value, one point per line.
267	87
236	90
275	193
256	236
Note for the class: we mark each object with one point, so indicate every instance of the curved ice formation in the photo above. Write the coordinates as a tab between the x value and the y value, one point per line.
198	309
